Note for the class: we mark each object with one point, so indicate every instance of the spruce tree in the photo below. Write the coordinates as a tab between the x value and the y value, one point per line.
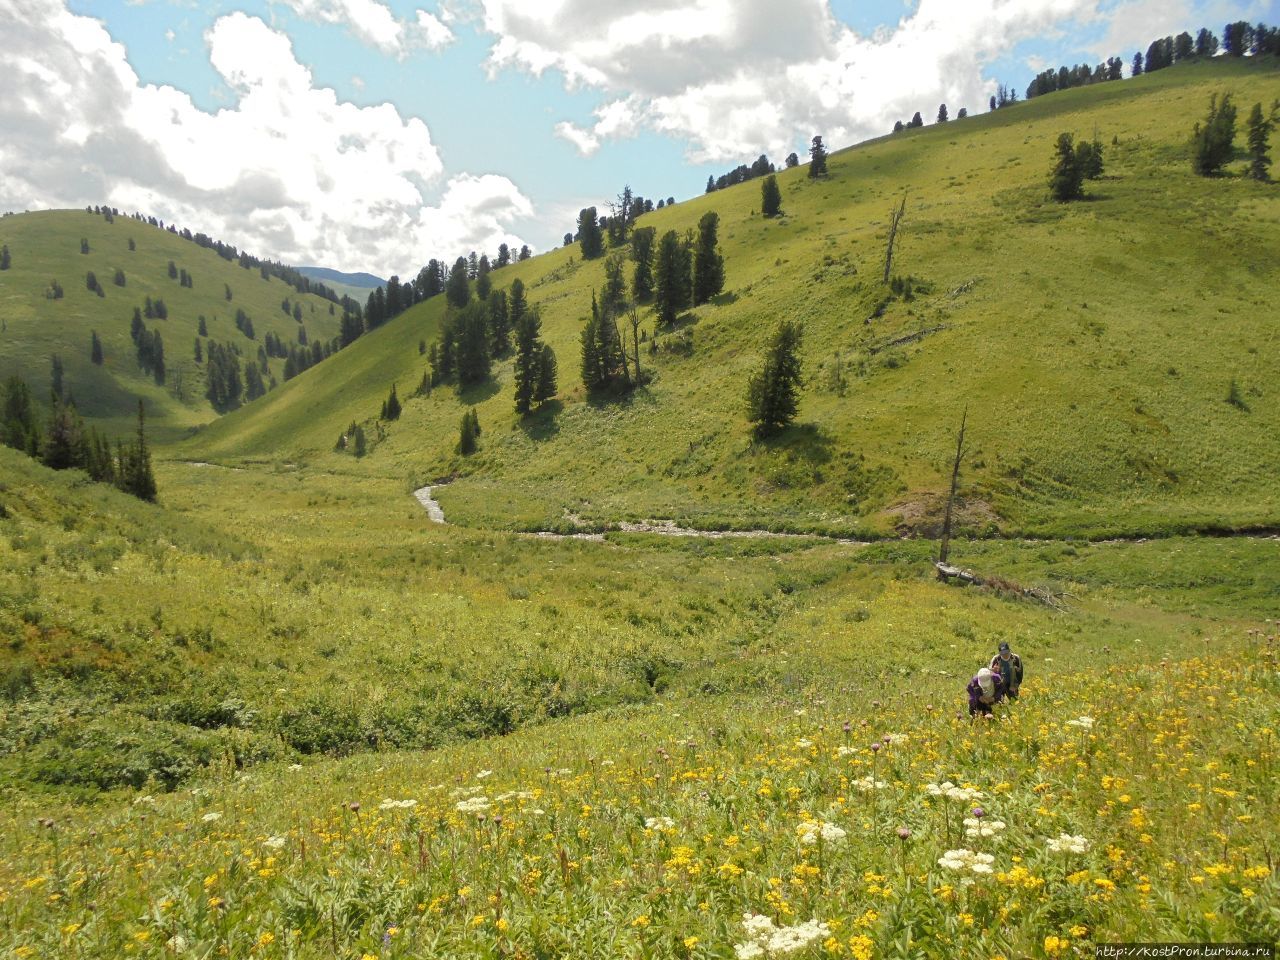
1066	178
55	376
95	349
613	296
63	442
499	323
457	289
391	409
770	197
5	260
672	278
589	235
773	392
708	264
1260	127
528	362
1212	143
942	113
136	476
817	158
360	445
467	434
642	239
545	389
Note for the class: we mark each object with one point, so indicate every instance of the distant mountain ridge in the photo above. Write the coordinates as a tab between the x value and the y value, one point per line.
325	274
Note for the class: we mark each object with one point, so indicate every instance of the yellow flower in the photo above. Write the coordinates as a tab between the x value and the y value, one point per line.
266	938
501	923
1054	945
641	921
690	942
70	929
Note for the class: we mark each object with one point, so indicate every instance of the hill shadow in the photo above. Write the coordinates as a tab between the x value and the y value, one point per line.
724	299
543	423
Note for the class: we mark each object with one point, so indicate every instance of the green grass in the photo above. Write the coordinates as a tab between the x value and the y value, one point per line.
1093	344
45	246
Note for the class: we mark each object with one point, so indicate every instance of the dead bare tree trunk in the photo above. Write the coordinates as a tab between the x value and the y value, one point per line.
895	217
951	497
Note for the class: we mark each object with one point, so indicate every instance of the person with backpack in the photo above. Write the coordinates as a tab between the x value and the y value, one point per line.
1009	665
985	690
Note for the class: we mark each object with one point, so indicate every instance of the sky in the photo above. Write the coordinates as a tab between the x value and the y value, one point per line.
372	135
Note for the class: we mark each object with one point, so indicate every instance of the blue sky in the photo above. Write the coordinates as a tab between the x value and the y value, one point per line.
458	125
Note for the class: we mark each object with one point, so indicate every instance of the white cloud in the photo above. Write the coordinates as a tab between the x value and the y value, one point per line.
287	170
734	77
586	141
375	24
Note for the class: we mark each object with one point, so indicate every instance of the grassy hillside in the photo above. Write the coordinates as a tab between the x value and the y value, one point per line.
1094	345
45	246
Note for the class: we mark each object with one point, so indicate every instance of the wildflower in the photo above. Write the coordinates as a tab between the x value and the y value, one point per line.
483	774
1067	843
211	816
764	939
1054	945
659	823
690	942
965	859
176	944
867	784
145	798
472	805
812	831
1084	723
975	827
904	833
804	743
274	843
295	767
389	804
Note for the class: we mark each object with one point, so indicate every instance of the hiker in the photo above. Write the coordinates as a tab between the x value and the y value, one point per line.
985	691
1009	665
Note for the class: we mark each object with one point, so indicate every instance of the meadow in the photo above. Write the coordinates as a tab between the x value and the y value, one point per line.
283	714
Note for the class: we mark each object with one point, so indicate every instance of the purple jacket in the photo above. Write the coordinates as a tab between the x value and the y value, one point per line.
975	692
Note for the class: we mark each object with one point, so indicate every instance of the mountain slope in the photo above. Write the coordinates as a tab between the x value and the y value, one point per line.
45	246
1093	344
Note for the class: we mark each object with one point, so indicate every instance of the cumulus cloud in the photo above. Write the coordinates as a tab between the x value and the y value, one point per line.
287	170
733	77
375	24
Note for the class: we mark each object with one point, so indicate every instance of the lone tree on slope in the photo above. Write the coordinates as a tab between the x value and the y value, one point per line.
773	392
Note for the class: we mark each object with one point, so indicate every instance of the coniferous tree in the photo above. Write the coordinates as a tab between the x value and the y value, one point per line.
202	328
792	160
135	475
504	255
119	278
55	376
528	362
63	442
964	112
545	388
517	304
770	197
360	446
1089	158
391	409
18	427
614	293
1183	47
457	289
817	158
773	392
642	254
589	235
672	278
84	245
253	385
711	184
484	285
1206	43
1260	127
708	264
467	433
942	113
525	252
1237	38
5	259
471	345
199	351
591	367
499	316
1136	69
1211	144
1066	178
95	349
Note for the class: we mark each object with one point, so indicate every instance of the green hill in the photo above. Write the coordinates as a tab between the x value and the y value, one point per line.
46	247
1094	345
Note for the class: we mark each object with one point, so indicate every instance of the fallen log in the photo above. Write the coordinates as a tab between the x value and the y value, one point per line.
947	573
909	338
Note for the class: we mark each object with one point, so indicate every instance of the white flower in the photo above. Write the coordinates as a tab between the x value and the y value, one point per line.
659	823
952	792
472	805
765	939
211	816
804	743
606	763
1068	843
513	795
812	831
295	767
177	943
1084	723
274	843
982	828
867	784
845	751
483	774
389	804
465	791
145	798
965	859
